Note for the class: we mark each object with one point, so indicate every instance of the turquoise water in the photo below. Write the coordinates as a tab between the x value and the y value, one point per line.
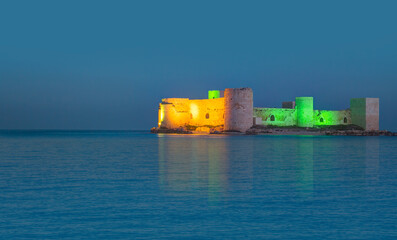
137	185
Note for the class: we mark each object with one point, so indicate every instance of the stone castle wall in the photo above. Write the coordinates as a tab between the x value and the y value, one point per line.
276	116
285	117
302	115
235	112
328	118
184	112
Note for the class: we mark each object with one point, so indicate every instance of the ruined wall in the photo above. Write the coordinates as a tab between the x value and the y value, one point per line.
326	118
290	104
238	109
183	112
276	116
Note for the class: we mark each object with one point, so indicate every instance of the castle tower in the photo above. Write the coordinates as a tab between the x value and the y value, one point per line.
304	111
212	94
365	112
166	115
238	109
172	117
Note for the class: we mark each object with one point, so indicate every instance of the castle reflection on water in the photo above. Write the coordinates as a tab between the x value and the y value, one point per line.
277	167
193	164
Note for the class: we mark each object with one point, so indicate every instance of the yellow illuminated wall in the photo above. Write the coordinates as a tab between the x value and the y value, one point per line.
184	112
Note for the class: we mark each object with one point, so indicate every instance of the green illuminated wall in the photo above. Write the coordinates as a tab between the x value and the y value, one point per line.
304	111
327	118
282	117
302	116
214	94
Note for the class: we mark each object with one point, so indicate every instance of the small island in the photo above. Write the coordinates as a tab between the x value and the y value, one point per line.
232	112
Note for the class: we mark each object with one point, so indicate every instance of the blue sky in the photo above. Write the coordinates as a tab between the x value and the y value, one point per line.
107	64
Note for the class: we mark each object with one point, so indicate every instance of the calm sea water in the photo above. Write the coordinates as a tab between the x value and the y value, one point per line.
134	185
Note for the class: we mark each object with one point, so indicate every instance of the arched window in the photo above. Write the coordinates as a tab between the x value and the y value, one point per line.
272	118
345	120
207	115
321	120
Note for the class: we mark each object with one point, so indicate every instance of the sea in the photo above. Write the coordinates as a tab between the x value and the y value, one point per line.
138	185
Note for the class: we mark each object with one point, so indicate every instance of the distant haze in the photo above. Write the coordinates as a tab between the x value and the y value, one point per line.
107	64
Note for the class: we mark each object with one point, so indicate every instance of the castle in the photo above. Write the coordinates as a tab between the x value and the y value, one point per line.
233	110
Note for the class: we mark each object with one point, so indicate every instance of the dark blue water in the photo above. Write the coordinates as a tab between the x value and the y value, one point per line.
136	185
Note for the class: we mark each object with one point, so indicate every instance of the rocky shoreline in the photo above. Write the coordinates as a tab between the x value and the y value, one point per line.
320	132
263	130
